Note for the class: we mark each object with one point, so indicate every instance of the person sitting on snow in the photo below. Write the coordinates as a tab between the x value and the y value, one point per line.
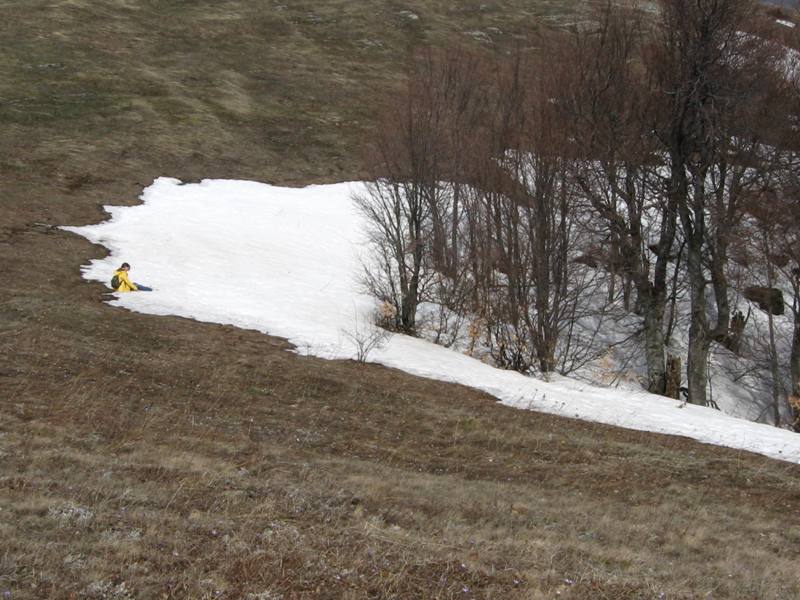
121	283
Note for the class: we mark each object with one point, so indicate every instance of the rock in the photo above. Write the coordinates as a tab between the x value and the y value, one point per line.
480	36
768	299
779	260
587	259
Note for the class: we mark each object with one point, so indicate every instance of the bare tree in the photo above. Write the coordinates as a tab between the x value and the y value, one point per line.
395	214
406	200
634	148
524	224
610	116
710	76
777	222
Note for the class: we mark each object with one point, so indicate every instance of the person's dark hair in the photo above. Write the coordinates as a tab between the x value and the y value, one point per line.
124	266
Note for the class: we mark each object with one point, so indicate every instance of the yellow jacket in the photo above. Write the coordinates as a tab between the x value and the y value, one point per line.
125	284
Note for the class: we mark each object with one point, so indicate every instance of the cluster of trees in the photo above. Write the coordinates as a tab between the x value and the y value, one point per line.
648	164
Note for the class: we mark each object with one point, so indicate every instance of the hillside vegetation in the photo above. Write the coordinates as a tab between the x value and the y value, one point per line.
158	457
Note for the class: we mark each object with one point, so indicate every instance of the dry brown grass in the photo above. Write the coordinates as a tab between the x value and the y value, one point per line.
146	457
230	467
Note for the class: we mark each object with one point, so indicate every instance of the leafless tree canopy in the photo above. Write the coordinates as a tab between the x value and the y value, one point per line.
519	203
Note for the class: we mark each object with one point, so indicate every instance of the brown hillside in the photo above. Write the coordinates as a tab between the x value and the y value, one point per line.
157	457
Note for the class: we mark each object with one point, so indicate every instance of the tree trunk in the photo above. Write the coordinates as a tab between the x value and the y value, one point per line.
673	376
699	340
409	310
794	360
773	363
773	349
794	371
654	342
697	365
652	298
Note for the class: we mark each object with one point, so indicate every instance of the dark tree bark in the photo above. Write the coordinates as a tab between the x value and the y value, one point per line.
610	111
712	79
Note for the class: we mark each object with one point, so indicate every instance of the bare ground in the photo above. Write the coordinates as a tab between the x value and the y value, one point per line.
153	457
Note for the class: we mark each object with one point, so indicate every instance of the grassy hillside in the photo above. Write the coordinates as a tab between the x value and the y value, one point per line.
148	457
193	82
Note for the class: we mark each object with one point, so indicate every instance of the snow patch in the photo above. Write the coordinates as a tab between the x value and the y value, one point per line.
287	261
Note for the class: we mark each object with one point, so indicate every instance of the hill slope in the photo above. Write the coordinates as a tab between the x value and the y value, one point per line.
159	457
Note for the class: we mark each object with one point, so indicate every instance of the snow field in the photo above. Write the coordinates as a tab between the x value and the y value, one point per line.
287	262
